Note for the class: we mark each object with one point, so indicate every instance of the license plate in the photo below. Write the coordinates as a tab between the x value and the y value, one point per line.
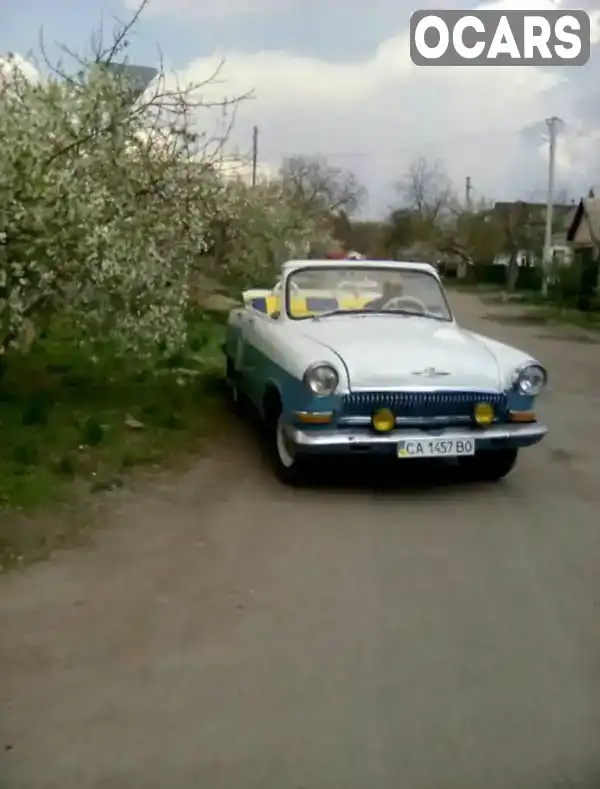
436	448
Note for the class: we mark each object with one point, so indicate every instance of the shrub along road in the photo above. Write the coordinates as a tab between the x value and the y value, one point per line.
228	633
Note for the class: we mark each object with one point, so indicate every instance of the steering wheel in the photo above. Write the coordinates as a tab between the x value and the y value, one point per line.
404	302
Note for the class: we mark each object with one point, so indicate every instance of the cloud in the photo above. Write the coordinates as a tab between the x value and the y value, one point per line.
201	9
16	64
375	114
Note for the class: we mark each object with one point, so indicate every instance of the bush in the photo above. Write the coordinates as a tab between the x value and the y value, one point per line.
528	278
109	208
112	212
565	285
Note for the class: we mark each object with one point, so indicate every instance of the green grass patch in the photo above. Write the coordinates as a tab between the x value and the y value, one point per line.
545	309
69	413
463	286
553	314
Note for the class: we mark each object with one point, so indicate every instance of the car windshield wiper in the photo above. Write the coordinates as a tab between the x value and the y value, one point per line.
409	313
338	312
412	314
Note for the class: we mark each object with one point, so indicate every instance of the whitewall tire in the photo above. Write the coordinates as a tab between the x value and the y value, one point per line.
287	462
286	451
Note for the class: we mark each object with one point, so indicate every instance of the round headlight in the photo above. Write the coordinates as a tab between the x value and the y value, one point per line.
321	379
530	380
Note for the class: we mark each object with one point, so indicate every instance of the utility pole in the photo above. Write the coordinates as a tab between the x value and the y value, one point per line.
468	192
254	154
552	124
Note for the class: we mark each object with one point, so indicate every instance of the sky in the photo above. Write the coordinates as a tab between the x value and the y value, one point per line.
335	79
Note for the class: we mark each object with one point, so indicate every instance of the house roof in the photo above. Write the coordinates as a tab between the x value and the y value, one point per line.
141	76
559	210
589	208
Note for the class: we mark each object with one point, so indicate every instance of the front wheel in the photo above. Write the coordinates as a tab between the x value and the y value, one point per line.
288	464
489	465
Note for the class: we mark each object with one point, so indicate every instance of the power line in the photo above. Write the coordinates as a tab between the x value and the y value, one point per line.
274	152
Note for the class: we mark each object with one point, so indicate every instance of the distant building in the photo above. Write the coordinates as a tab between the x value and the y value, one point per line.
239	168
140	76
533	217
583	234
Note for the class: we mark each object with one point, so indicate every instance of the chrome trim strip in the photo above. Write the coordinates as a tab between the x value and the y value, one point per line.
408	421
425	389
420	405
347	439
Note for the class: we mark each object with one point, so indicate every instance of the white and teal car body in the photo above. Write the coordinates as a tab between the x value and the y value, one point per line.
336	376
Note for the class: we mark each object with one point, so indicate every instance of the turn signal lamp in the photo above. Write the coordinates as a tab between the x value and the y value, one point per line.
383	421
484	414
522	416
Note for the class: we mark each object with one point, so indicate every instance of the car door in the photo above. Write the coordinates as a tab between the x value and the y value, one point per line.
238	342
252	363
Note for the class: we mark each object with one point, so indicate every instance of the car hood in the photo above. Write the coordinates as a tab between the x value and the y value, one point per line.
382	351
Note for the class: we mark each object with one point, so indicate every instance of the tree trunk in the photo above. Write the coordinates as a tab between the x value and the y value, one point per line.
512	273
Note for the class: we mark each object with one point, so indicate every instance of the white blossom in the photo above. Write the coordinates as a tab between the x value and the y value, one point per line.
107	215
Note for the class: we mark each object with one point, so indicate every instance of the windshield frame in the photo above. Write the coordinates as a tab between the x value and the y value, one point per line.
366	269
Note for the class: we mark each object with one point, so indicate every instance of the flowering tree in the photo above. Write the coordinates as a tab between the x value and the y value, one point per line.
257	228
108	206
92	216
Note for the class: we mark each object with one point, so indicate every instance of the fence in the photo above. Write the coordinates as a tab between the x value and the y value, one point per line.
528	278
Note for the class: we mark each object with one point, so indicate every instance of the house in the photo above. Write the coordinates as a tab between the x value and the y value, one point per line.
238	168
526	222
583	231
453	266
583	234
140	77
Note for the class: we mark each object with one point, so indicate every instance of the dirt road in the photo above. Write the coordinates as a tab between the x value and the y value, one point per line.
225	633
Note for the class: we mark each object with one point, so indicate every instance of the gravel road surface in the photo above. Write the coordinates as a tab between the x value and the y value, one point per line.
226	633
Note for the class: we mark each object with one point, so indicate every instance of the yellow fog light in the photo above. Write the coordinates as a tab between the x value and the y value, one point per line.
383	421
484	414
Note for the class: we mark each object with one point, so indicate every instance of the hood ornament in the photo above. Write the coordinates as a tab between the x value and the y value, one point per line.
430	372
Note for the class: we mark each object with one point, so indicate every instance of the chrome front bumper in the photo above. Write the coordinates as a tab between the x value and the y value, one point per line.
364	440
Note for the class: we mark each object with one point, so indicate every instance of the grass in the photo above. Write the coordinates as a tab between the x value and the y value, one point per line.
549	313
542	309
471	287
67	418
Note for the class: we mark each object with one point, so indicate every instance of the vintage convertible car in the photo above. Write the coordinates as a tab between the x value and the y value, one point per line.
363	373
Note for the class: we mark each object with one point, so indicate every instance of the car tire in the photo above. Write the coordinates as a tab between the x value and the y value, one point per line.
288	464
490	465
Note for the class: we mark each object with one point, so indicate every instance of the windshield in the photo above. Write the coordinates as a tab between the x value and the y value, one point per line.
324	291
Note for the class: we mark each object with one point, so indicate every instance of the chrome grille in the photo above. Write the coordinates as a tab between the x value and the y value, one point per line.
420	404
